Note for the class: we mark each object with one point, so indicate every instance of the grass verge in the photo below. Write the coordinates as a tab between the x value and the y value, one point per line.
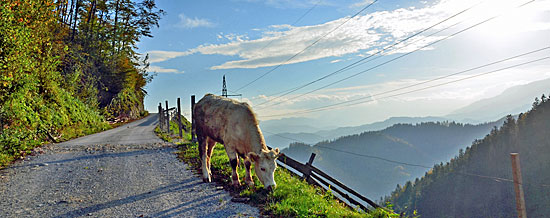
293	196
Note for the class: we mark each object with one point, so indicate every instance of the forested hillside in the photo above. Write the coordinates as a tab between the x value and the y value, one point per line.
354	159
469	185
67	65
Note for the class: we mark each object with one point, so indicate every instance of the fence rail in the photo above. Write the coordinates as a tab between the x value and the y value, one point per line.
168	114
315	176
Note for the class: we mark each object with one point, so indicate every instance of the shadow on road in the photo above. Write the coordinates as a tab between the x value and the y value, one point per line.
186	184
87	156
152	120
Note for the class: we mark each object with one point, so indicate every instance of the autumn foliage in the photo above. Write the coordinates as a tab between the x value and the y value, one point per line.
67	66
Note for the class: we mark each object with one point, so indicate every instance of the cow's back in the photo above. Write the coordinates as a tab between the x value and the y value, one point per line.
220	118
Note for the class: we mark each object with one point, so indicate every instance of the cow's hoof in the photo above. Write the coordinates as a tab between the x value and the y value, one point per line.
207	180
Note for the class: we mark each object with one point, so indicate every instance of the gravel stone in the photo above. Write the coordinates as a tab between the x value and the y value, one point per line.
122	172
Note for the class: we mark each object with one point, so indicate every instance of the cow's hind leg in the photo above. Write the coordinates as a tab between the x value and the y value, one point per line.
248	178
210	144
204	161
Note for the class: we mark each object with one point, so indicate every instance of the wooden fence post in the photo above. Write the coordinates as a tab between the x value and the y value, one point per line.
518	186
180	125
161	121
167	118
307	174
193	139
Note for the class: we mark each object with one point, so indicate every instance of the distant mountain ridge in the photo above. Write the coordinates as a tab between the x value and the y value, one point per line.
310	131
512	101
425	144
282	140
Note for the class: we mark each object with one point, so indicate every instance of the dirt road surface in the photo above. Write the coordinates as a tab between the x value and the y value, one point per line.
122	172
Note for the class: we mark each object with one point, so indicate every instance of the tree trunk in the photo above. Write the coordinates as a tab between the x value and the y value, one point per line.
115	27
70	15
75	19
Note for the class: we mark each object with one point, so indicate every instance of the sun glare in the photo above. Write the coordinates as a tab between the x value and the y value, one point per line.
510	22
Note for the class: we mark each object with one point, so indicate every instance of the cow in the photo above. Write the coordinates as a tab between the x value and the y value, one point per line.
233	124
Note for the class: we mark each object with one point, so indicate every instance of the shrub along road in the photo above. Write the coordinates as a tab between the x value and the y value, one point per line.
122	172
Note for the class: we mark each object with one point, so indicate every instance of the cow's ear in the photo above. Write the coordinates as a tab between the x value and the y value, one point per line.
276	150
253	156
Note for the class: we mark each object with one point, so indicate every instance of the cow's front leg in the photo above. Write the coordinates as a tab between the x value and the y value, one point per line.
234	161
248	178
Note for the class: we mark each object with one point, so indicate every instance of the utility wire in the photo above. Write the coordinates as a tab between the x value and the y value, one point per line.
403	55
439	78
404	163
356	63
295	22
373	157
347	152
330	107
309	46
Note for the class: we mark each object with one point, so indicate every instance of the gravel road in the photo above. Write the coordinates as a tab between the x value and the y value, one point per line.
122	172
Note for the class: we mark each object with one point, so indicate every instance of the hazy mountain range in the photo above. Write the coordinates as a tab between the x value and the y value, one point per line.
282	140
513	100
517	99
350	158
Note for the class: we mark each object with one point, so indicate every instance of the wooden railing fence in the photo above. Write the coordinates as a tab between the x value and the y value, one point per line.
167	114
317	177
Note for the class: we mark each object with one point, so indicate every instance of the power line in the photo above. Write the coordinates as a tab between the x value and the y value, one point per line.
486	177
405	163
294	23
439	78
374	157
307	12
278	135
356	63
330	107
312	44
403	55
347	152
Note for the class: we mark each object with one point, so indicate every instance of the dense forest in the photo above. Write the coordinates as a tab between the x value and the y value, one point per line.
68	65
476	183
350	158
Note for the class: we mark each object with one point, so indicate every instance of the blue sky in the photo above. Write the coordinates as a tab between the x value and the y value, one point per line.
200	41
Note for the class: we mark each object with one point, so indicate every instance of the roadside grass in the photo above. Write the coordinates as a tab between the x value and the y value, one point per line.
293	197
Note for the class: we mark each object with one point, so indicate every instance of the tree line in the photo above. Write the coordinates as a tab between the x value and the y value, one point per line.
476	183
67	65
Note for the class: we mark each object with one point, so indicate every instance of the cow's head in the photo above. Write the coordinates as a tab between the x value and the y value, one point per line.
265	165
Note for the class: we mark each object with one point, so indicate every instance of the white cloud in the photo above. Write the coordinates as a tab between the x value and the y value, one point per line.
158	69
361	4
365	33
188	23
160	56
